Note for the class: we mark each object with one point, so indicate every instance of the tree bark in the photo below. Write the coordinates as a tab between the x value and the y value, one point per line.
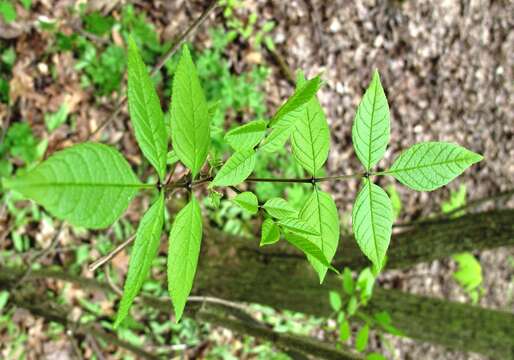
429	241
238	270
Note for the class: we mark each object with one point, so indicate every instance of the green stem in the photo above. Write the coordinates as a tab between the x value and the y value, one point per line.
306	180
312	180
340	177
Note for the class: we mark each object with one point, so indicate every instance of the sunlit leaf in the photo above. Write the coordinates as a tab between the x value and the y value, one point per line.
372	220
144	251
88	185
145	111
184	249
371	127
430	165
190	119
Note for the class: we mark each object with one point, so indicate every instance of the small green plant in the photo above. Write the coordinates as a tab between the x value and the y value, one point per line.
7	59
351	303
103	66
469	275
91	184
456	201
249	31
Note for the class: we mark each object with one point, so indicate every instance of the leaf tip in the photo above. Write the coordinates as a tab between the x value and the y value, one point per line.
475	158
185	51
179	311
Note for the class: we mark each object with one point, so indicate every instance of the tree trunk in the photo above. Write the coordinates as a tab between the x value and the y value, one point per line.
238	270
429	241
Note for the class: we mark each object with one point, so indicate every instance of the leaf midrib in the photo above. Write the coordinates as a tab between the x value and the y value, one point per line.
371	124
373	221
425	165
57	184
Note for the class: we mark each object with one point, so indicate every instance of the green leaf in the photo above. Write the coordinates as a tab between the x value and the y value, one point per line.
352	306
172	157
307	247
270	232
372	222
183	252
371	127
299	226
384	320
335	300
375	356
344	331
469	274
457	200
430	165
215	199
396	202
302	95
190	129
311	136
145	111
348	284
7	11
280	133
320	212
88	185
237	168
4	297
246	136
365	283
248	201
54	120
279	208
145	249
361	340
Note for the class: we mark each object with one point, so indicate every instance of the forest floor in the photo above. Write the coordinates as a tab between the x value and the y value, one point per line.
447	68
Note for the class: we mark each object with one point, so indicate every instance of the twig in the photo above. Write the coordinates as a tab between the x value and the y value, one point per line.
111	283
95	347
192	28
75	345
282	64
218	301
104	259
305	180
281	340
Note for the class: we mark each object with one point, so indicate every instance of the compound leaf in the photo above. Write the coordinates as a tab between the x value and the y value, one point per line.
88	185
279	208
190	129
183	252
270	232
302	95
429	165
310	138
371	127
145	249
246	136
237	168
372	222
145	111
298	226
320	212
248	201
